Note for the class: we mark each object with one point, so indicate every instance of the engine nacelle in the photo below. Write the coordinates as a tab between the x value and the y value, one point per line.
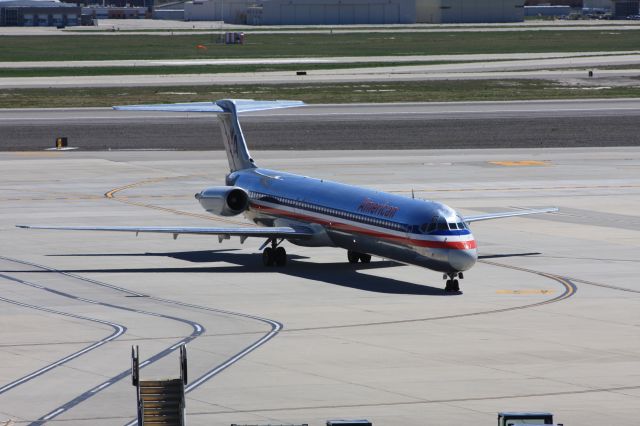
224	200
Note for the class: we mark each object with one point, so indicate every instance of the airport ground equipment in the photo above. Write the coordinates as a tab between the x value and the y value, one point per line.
343	422
61	143
510	418
162	401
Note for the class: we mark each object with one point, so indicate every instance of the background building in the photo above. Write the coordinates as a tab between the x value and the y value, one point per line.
550	11
462	11
338	12
34	13
348	12
230	11
620	9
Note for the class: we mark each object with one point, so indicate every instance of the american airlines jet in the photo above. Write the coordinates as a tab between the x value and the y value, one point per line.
315	212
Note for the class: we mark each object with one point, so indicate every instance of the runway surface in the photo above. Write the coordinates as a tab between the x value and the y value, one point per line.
619	57
547	320
567	69
355	126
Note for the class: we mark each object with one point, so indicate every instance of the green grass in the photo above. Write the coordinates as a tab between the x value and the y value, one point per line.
195	69
104	47
434	91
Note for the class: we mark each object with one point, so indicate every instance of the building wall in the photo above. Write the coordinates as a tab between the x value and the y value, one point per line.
102	12
547	10
624	8
619	8
39	16
464	11
428	11
229	11
597	4
336	12
341	12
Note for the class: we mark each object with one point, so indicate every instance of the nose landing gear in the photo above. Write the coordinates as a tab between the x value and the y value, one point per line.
452	285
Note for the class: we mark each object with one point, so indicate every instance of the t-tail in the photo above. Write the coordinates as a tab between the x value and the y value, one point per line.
233	138
227	111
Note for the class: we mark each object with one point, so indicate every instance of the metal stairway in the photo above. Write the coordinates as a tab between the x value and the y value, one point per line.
160	402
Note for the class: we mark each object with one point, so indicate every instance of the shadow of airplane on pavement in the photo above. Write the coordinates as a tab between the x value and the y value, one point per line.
342	274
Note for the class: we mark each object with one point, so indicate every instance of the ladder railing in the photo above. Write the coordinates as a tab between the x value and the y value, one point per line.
160	402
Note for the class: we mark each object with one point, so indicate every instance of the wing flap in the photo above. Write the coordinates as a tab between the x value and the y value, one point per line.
488	216
276	232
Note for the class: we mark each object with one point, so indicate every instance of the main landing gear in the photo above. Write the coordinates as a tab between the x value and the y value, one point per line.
452	286
354	257
274	255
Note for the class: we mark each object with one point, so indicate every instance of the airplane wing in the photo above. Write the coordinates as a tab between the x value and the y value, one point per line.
487	216
275	232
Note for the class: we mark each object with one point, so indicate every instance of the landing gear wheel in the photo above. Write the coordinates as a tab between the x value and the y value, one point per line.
280	256
452	286
365	258
353	256
268	257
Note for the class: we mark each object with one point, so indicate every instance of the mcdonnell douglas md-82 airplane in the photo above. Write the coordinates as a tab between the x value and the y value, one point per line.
315	212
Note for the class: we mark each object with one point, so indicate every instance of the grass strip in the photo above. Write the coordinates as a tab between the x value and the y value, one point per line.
431	91
206	46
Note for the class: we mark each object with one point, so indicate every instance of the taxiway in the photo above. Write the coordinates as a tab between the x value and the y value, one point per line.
548	320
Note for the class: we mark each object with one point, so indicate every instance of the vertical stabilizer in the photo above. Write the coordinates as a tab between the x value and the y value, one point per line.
232	137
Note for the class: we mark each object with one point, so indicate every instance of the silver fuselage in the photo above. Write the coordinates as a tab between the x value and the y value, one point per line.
363	220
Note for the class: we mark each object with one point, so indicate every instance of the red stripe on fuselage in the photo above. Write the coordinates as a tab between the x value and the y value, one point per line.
456	245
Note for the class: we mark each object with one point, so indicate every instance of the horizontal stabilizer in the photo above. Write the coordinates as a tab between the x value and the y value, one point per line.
242	105
487	216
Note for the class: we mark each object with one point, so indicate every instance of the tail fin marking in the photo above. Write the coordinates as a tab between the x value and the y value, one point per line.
233	138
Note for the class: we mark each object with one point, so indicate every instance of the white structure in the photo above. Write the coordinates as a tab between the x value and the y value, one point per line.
461	11
345	12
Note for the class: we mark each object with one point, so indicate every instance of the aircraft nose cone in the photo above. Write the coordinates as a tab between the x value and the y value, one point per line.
462	260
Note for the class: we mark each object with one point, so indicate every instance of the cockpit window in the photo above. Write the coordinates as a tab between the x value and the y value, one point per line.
440	224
